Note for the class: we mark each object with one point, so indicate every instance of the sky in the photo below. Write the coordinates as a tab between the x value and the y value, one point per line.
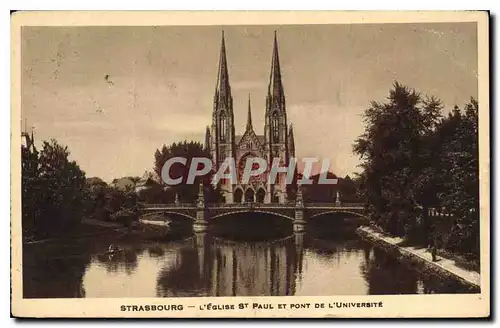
114	95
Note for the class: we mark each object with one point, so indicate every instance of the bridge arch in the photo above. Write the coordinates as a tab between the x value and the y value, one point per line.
217	216
361	215
169	213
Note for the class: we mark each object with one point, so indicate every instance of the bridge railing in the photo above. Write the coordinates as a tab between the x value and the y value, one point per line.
356	205
170	205
251	205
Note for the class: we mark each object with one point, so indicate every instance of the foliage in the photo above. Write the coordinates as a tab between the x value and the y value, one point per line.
459	176
30	191
156	194
327	193
53	190
186	192
56	195
110	203
414	159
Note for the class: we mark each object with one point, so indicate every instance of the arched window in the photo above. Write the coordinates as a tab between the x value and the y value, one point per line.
222	127
275	127
222	154
261	195
238	196
249	196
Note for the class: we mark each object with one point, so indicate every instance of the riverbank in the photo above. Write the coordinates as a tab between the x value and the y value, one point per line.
88	228
422	257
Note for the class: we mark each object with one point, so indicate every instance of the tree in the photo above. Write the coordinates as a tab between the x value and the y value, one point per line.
413	160
110	202
393	156
97	193
62	186
122	205
348	189
459	176
187	150
30	192
321	193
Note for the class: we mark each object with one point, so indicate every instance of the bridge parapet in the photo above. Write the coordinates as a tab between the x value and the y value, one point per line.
252	205
335	205
188	206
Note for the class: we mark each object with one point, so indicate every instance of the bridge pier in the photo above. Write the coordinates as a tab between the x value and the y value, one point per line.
299	251
202	243
299	241
201	222
299	224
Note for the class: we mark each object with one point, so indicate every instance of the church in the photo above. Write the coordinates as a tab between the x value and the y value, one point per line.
276	141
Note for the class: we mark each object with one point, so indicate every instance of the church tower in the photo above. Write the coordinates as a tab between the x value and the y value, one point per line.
277	142
222	136
276	128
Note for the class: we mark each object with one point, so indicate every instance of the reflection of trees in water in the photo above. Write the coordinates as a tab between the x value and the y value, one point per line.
386	275
122	261
156	251
332	237
215	267
61	277
56	269
340	249
432	284
252	269
334	226
185	278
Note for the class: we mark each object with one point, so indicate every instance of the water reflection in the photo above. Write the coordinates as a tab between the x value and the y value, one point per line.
217	267
211	265
50	275
121	261
387	276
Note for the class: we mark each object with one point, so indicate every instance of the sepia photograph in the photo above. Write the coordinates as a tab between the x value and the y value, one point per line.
214	165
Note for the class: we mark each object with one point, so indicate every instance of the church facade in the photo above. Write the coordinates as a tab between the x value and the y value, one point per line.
276	141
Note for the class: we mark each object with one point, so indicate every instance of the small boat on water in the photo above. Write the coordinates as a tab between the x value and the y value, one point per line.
113	249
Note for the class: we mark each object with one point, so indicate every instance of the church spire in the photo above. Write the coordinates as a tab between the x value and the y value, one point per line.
222	88
291	141
207	138
249	117
275	85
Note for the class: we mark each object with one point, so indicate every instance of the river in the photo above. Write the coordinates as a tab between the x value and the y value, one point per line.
322	261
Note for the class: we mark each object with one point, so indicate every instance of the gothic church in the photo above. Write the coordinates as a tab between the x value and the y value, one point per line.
276	142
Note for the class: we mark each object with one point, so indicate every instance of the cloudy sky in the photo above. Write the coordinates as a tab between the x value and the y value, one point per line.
115	94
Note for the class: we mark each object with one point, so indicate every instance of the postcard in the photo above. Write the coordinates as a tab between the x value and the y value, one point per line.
250	164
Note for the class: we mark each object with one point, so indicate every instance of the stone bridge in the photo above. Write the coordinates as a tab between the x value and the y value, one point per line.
202	213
